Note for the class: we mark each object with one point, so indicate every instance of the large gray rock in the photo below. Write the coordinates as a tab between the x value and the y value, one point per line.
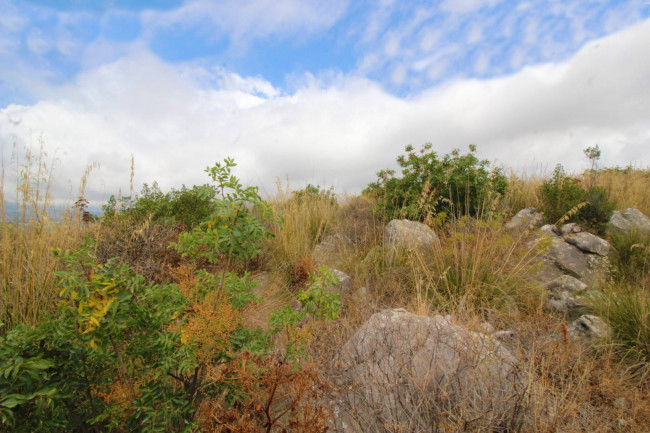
405	234
589	242
629	220
524	219
569	258
409	373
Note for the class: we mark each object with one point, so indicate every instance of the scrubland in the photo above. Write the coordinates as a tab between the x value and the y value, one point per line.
199	310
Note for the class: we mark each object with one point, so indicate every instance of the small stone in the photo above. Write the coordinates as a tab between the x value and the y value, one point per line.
524	219
588	327
550	230
570	228
344	285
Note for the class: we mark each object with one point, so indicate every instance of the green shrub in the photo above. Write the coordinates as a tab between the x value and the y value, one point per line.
455	185
126	355
563	198
314	192
187	206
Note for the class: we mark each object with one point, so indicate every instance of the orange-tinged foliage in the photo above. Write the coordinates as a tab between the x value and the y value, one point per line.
209	328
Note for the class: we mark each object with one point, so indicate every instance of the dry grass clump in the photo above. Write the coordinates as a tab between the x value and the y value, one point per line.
523	192
28	233
306	220
628	186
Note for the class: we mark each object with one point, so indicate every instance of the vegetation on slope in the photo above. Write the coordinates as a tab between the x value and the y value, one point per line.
154	320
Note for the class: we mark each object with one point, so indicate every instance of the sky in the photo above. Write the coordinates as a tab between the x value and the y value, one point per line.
321	92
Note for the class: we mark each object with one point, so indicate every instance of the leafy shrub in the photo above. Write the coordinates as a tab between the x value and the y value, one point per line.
563	197
454	185
126	355
187	206
314	192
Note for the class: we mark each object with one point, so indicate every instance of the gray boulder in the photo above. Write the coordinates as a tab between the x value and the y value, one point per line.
588	327
589	242
405	234
571	260
629	220
415	373
524	219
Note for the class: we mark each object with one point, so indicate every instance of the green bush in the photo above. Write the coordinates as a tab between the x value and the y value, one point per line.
314	192
125	355
455	185
189	206
563	198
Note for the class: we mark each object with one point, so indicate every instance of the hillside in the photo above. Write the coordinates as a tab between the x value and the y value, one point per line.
491	303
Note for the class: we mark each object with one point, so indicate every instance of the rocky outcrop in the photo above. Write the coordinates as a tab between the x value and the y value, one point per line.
524	219
576	253
418	373
630	220
405	234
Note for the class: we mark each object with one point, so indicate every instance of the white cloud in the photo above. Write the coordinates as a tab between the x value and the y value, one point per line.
465	6
177	120
247	20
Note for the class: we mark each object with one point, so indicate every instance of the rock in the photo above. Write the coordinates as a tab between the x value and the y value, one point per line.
345	283
563	296
414	373
409	234
629	220
570	228
589	242
588	327
568	283
362	294
525	218
569	258
550	230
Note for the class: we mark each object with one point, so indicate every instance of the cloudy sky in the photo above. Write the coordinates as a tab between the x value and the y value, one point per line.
325	92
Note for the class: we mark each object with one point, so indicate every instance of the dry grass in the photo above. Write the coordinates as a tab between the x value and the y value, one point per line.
523	191
476	273
629	187
305	222
26	264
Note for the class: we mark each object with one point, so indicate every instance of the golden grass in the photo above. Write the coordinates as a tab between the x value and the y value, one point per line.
305	222
26	263
629	187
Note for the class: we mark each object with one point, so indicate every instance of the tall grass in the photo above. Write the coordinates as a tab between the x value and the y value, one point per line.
628	186
28	236
306	219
